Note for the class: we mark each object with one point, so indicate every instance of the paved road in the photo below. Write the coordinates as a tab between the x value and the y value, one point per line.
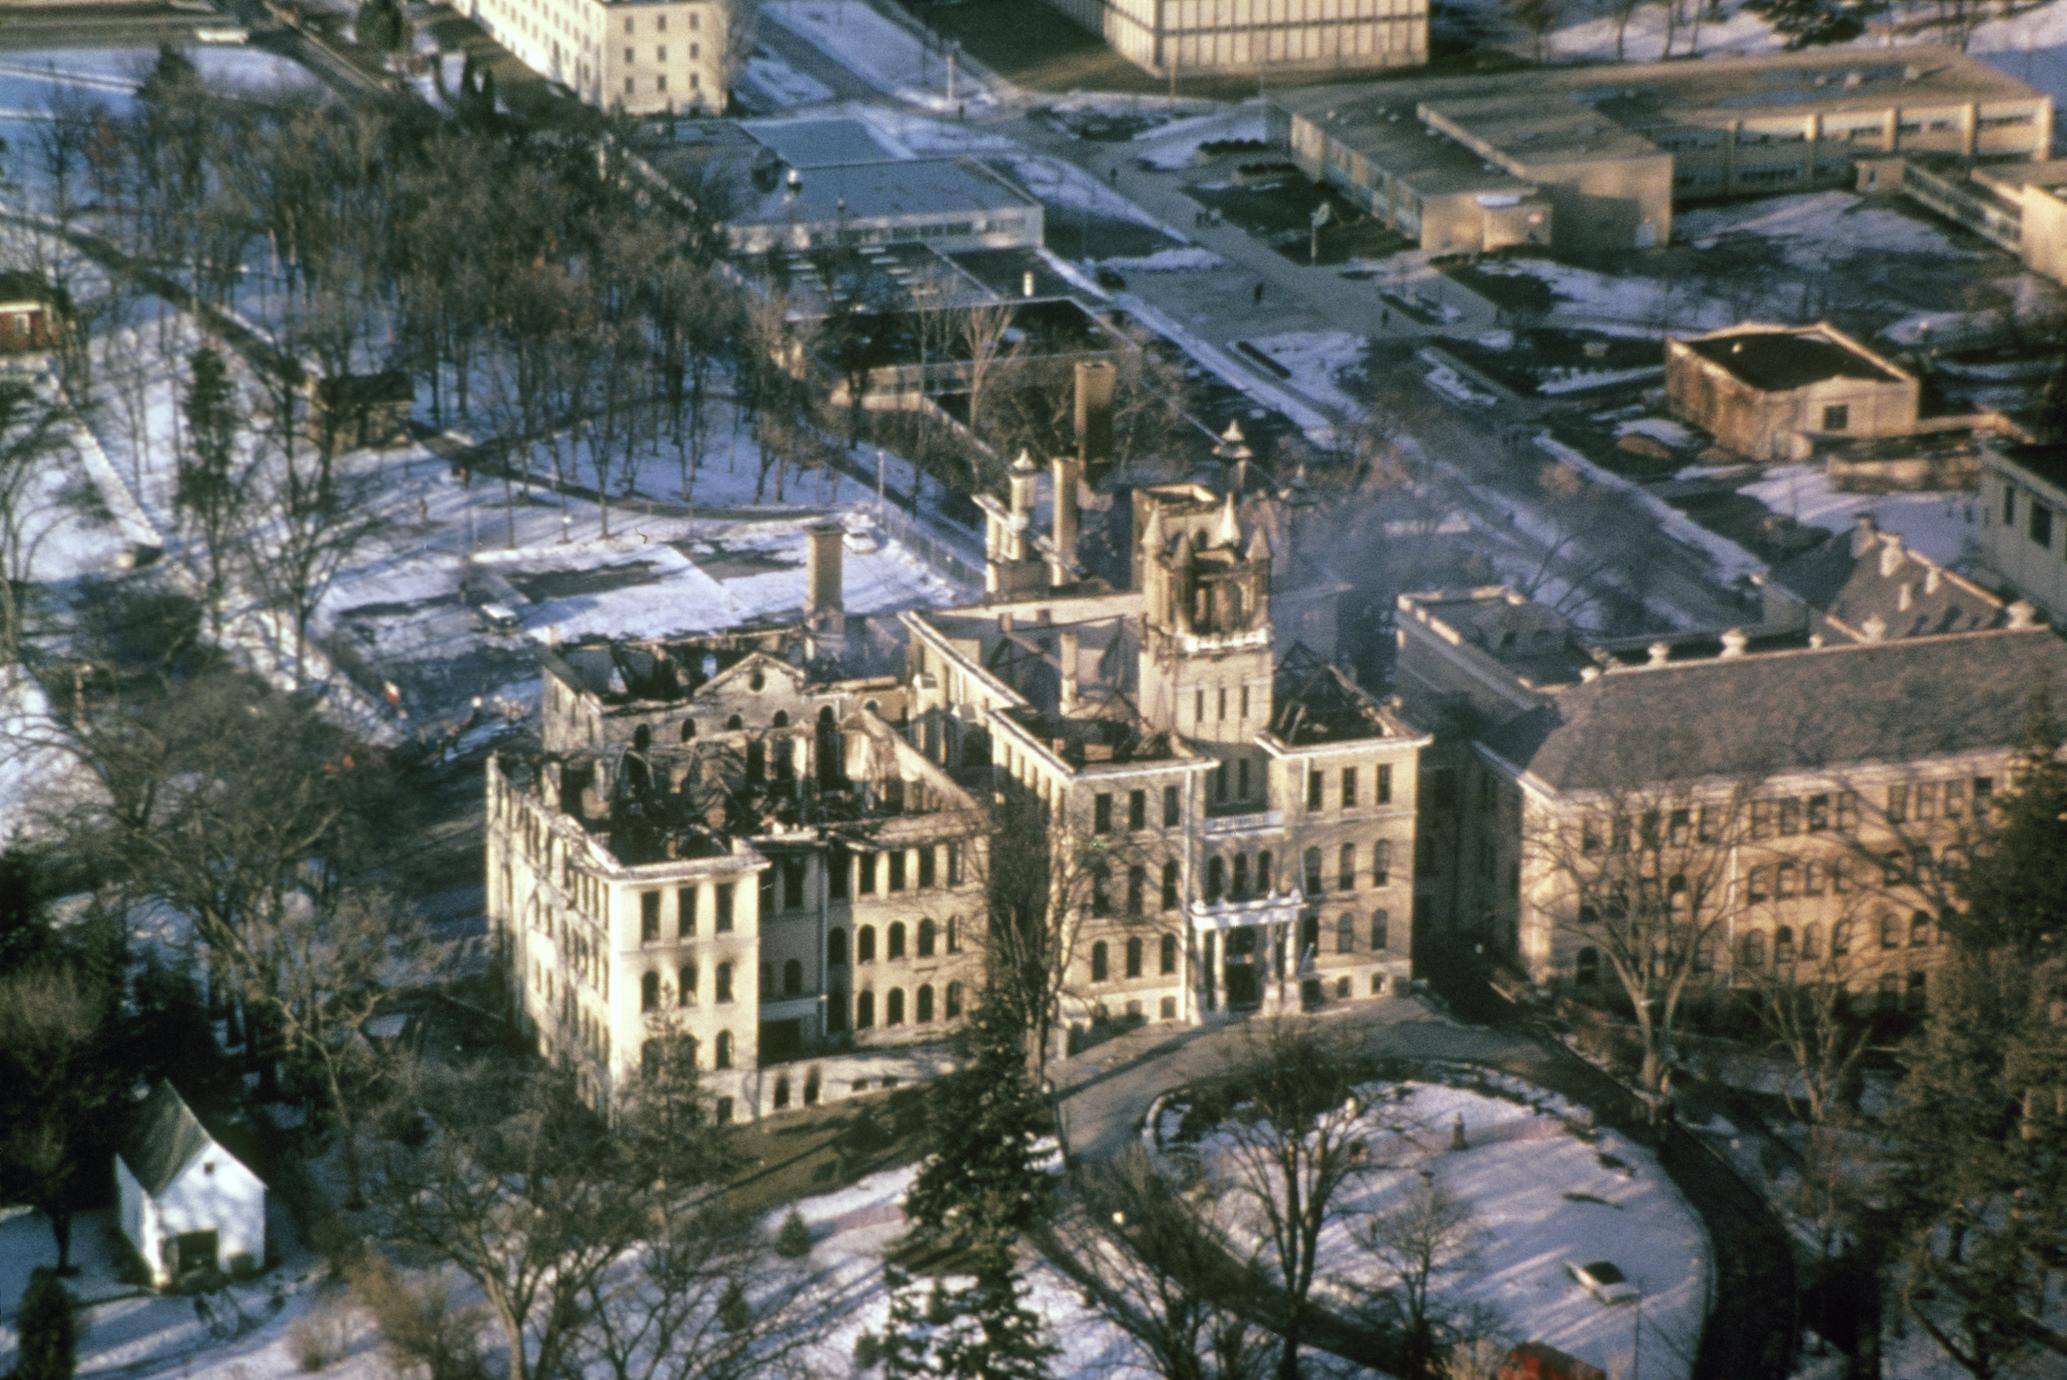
1106	1093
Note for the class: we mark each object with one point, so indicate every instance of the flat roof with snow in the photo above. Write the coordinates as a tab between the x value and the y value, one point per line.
1779	361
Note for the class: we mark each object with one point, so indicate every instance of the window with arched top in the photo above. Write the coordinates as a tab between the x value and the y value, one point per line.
792	978
1920	929
865	944
836	947
780	720
1313	872
1754	950
685	985
735	723
954	1000
723	1059
1783	945
1381	930
864	1010
893	1007
1812	940
688	729
925	1004
1890	930
1345	933
1134	949
1216	878
1100	964
1169	954
927	931
896	939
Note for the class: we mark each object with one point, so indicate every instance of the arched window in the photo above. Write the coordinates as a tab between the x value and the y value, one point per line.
781	1091
649	992
836	947
864	1010
724	1053
893	1007
1263	873
954	934
1381	862
792	978
954	1000
896	950
1783	946
735	723
1381	931
1134	958
926	930
1920	929
1840	938
1313	871
1216	878
1169	954
865	944
1811	940
1309	935
685	985
925	1014
781	719
1241	876
688	729
1890	930
1345	933
1589	966
1099	964
1754	950
1345	870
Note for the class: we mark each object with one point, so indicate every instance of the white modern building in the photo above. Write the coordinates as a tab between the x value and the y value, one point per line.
1178	36
646	57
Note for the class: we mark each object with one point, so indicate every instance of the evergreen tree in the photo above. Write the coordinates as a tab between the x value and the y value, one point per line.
46	1331
382	27
2015	892
981	1330
209	492
982	1185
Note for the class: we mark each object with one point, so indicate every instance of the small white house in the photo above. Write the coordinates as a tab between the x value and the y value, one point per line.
187	1204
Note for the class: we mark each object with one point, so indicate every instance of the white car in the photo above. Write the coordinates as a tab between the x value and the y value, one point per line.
1603	1280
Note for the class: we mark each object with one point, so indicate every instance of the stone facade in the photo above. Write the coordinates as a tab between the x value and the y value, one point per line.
646	57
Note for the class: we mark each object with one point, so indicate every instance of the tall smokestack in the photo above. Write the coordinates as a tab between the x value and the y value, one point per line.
1062	566
1094	413
824	601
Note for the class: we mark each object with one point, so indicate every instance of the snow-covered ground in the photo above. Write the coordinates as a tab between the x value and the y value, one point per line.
1941	526
891	57
1176	145
769	83
1541	1197
1322	364
111	75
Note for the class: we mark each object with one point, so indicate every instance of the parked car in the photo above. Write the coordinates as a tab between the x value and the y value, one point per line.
1603	1280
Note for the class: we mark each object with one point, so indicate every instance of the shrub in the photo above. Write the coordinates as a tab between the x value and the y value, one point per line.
793	1238
735	1314
418	1322
317	1339
868	1351
47	1334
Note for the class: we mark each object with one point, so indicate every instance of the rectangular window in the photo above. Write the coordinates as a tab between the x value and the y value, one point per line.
927	867
721	919
897	870
837	861
2009	505
1137	890
685	912
627	23
627	86
649	916
1314	787
1819	813
1137	809
1760	885
1790	816
660	82
954	864
1898	803
1955	799
1984	794
1837	416
793	884
660	53
1198	705
1241	778
1245	701
1384	783
1926	801
1811	881
2041	525
1346	868
1101	813
1381	862
1761	819
1847	811
1221	697
1170	886
1349	788
865	868
630	56
1171	811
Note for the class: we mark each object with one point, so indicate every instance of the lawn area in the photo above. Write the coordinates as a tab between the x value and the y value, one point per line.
1279	212
807	1152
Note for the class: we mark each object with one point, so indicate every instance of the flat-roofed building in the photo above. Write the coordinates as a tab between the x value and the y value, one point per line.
1769	392
2024	522
645	57
2020	207
1179	36
1612	149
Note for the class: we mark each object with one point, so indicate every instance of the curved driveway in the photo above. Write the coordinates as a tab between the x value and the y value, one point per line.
1106	1091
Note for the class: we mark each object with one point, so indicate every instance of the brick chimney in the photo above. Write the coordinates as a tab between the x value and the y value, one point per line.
825	558
1062	566
1095	380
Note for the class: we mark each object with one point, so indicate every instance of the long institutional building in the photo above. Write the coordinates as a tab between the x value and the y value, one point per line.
1179	36
1594	159
646	57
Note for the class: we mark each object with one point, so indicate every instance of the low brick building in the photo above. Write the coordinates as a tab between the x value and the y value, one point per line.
1772	392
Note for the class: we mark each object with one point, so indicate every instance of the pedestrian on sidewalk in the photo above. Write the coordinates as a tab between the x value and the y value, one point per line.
1115	174
1257	295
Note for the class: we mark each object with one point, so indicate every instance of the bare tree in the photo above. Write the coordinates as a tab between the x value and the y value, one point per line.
1295	1141
1622	11
36	438
1643	877
1423	1241
60	1081
1155	1264
987	342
